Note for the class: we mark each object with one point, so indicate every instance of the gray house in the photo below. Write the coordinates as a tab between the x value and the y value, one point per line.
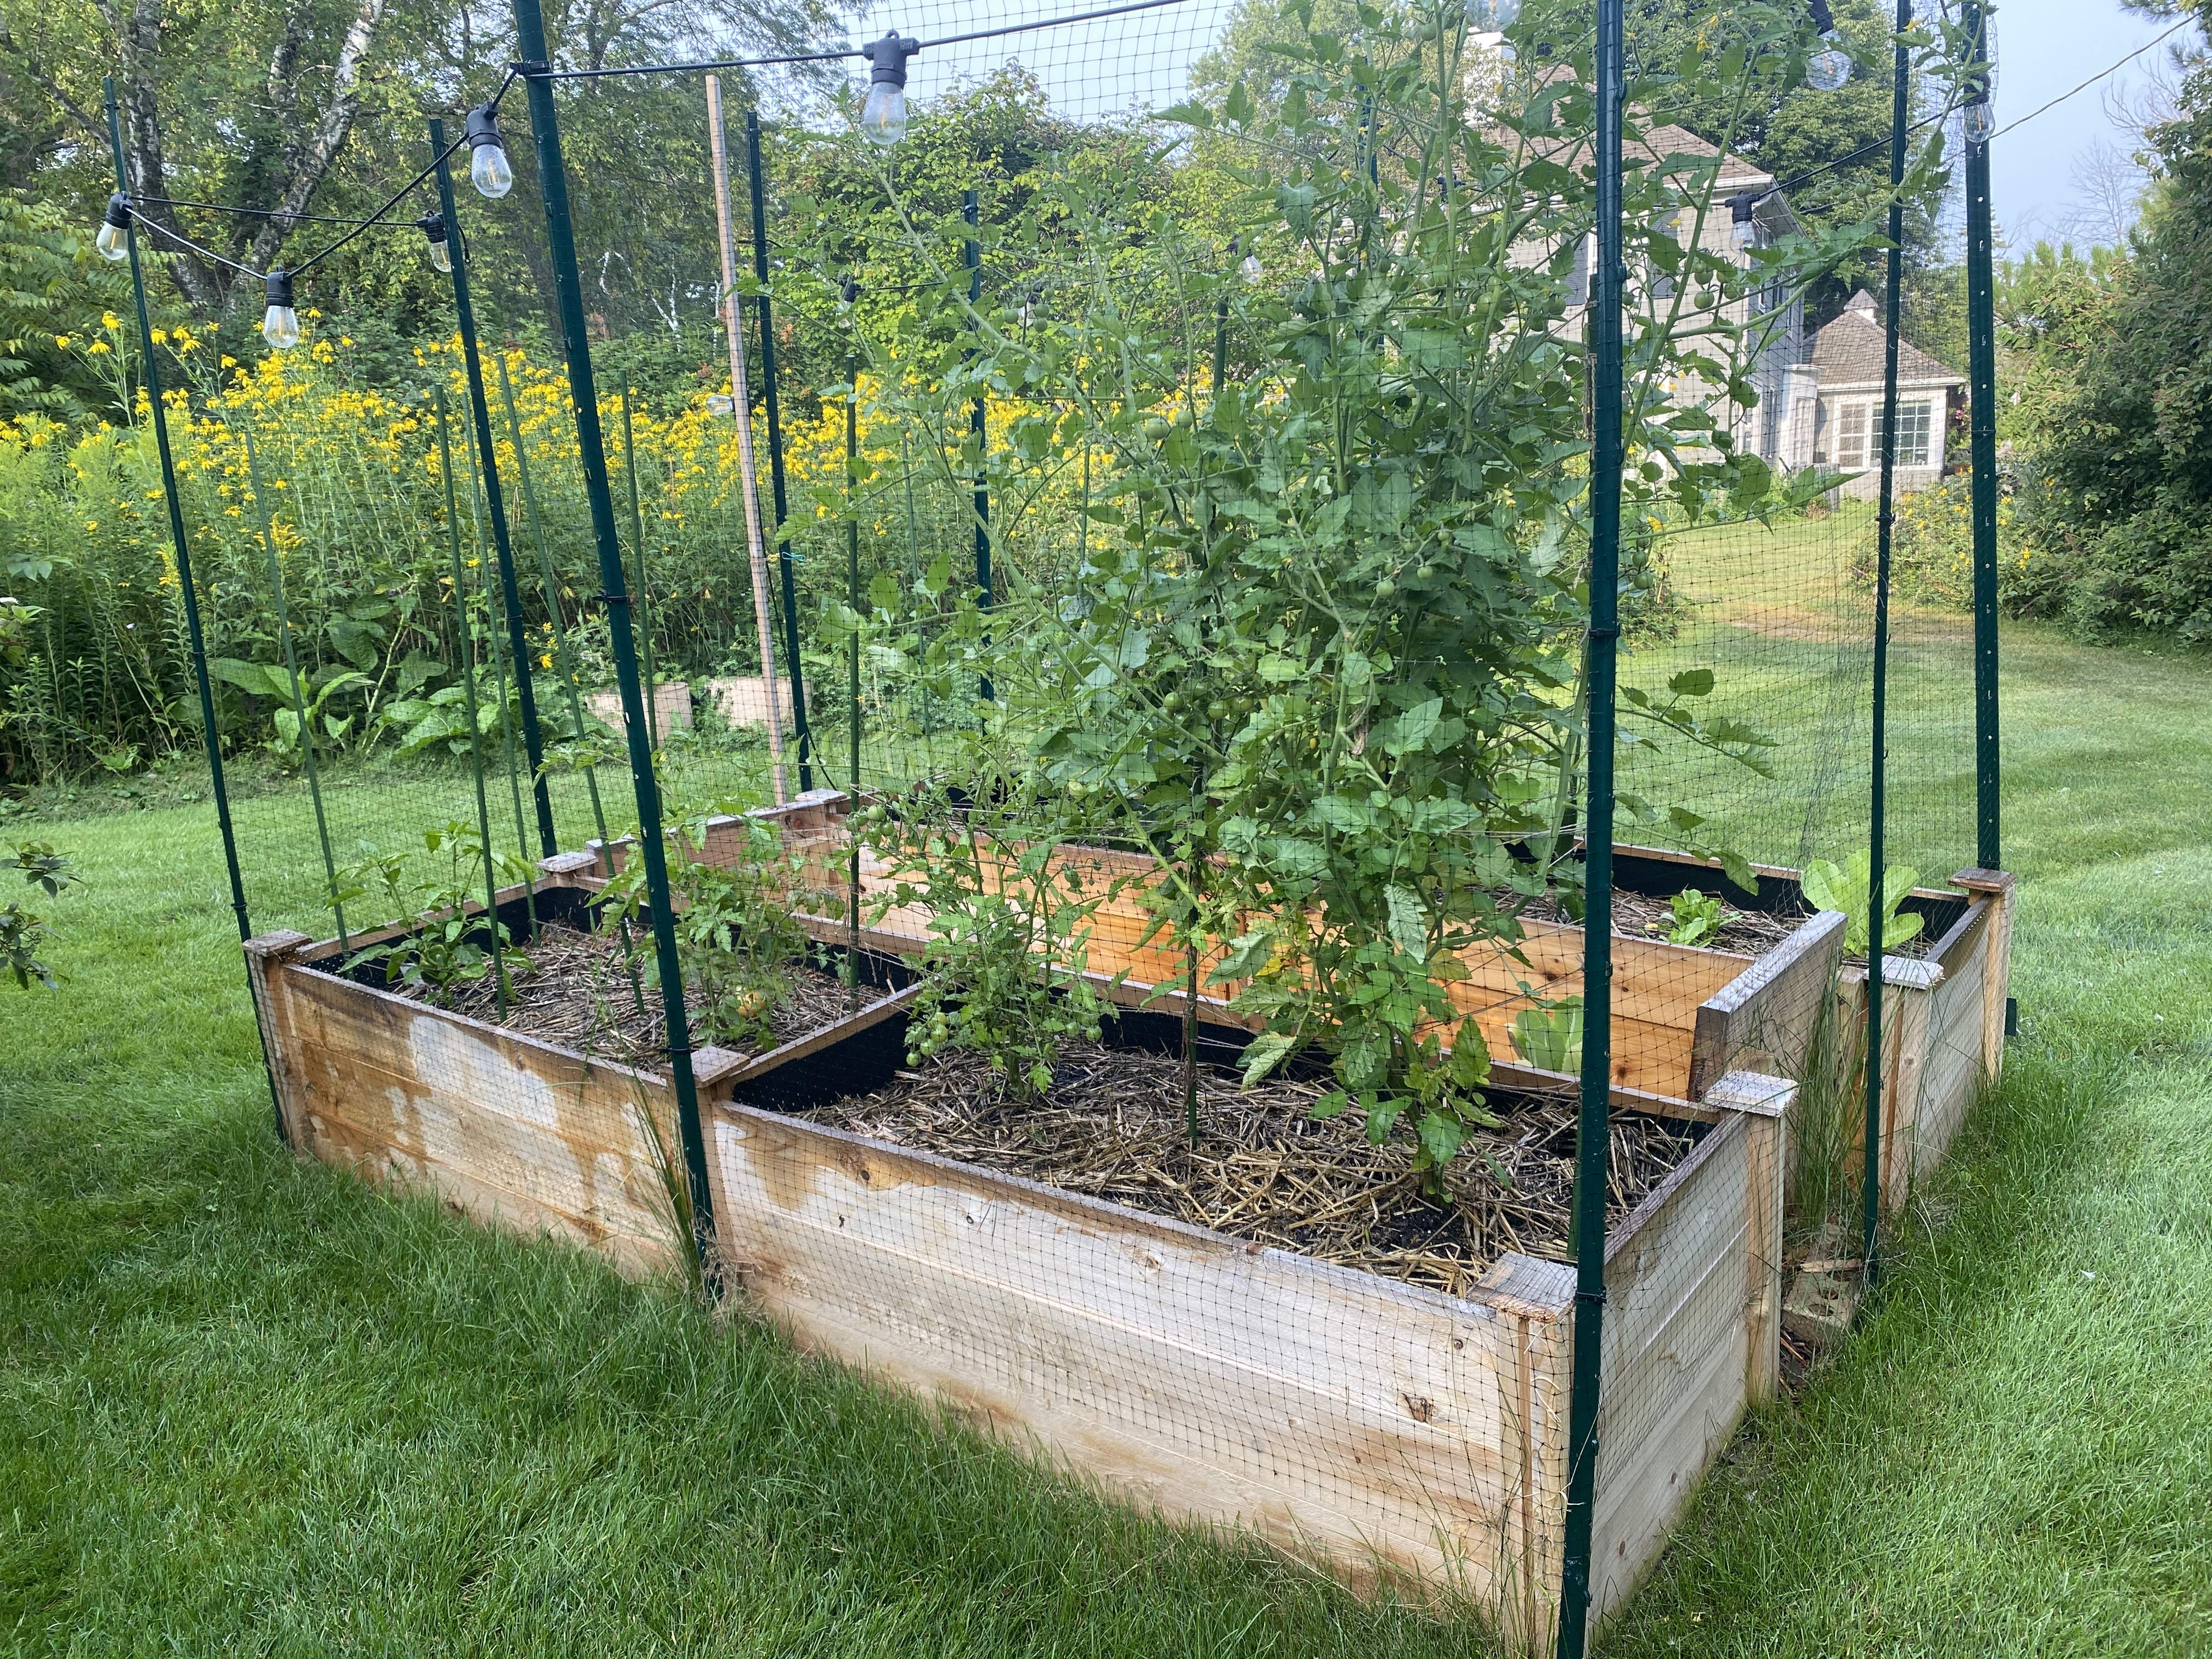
1847	375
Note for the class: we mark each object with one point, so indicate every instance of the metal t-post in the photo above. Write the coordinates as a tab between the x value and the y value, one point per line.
1878	782
853	673
209	738
651	846
510	595
775	455
1593	1130
973	252
1982	377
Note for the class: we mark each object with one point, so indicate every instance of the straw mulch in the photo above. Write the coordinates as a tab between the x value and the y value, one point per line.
577	994
1113	1125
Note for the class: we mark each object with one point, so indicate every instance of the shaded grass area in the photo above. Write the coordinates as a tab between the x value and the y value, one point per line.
249	1404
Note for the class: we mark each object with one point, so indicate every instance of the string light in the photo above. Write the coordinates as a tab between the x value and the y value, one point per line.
882	117
1830	66
489	168
433	226
114	239
280	324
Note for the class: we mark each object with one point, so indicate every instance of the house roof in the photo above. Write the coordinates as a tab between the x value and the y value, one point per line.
1849	352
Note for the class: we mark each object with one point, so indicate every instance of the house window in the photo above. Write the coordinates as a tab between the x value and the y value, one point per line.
1913	427
1851	436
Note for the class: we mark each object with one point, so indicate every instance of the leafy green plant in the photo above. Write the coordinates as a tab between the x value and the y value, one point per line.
1697	917
1829	886
265	679
736	925
446	947
1322	635
23	932
1550	1038
1008	928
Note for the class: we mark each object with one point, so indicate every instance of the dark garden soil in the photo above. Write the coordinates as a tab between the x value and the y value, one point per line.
578	994
1747	933
1112	1126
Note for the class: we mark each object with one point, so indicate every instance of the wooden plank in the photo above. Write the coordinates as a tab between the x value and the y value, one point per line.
1764	1017
1996	963
515	1133
1675	1375
1339	1413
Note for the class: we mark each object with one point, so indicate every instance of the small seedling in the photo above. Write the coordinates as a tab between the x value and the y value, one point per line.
1697	918
22	932
446	948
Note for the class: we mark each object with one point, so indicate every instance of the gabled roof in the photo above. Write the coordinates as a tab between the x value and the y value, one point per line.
1849	352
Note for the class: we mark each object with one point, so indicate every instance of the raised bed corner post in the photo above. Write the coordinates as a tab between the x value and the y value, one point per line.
775	457
1982	374
510	594
1593	1133
1878	782
972	251
576	347
209	738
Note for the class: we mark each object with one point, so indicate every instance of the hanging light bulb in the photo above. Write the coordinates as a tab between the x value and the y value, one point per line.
1743	226
882	117
114	239
1830	66
433	226
280	324
1981	122
489	168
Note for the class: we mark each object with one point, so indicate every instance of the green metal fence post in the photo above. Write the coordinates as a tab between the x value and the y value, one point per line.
753	179
467	642
518	643
1592	1135
852	669
1982	376
1878	782
644	580
972	252
209	738
575	341
292	671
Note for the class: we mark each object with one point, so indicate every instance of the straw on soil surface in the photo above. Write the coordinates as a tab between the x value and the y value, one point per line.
1112	1126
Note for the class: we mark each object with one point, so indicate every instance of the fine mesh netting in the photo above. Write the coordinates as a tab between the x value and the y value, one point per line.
1108	587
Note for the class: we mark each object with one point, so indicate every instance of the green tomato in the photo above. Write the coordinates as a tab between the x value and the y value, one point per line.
1385	588
1216	710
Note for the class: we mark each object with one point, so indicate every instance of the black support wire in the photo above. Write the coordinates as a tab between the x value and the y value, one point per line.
538	71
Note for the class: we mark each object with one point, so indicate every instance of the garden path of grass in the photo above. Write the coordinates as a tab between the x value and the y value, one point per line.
248	1404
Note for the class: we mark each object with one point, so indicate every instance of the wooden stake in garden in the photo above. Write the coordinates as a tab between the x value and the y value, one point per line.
742	409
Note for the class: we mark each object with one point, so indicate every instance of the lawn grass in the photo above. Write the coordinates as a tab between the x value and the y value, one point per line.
247	1404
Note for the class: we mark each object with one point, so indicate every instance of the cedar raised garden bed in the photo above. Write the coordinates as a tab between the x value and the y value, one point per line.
1368	1423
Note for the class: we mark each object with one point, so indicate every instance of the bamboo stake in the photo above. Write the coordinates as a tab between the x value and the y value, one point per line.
742	409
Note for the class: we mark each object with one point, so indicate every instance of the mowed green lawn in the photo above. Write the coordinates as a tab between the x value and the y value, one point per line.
247	1405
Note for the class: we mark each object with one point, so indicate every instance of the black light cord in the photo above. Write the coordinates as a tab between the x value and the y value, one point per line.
827	57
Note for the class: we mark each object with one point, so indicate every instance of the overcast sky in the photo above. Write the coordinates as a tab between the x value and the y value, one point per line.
2063	175
2048	176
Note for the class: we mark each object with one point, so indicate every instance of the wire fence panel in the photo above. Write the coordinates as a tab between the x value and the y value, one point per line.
1106	581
